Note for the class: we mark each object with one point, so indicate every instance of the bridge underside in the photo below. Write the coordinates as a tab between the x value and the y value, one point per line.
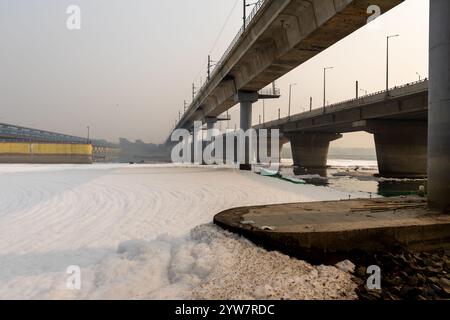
283	35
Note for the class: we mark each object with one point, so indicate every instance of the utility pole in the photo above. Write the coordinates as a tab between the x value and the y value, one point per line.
420	77
357	90
209	67
387	60
245	14
279	114
88	134
264	111
193	92
290	93
325	85
244	18
310	103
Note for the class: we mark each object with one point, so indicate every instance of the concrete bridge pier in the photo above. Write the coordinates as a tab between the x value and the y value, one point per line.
265	149
210	126
401	147
310	149
246	100
439	107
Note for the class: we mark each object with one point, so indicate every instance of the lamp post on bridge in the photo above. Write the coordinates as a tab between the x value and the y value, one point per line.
387	59
193	91
264	111
290	94
420	77
325	85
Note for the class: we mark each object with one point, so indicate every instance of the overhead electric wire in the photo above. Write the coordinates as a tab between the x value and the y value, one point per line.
216	41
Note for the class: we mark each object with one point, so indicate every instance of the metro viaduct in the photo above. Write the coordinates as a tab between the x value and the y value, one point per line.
279	36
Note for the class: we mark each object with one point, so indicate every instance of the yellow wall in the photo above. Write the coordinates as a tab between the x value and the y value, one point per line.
45	148
14	148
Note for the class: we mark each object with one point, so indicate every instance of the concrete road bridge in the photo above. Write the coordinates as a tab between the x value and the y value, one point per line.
22	144
397	118
280	35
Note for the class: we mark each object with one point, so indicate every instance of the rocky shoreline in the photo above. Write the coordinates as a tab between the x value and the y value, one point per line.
405	275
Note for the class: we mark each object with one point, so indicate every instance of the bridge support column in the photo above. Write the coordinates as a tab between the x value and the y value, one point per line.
439	107
210	126
310	150
401	147
266	149
246	100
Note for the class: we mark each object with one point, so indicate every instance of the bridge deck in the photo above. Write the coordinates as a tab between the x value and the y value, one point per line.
280	36
408	102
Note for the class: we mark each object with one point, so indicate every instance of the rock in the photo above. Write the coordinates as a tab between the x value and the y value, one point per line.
445	285
421	279
358	281
434	280
395	281
408	292
447	265
371	295
361	271
413	281
389	296
430	271
346	266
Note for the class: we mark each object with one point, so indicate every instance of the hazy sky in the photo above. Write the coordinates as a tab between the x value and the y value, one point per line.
128	70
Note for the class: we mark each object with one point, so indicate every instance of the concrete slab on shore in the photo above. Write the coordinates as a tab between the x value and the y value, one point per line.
333	229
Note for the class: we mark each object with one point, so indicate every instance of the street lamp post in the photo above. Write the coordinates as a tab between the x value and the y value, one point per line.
420	77
325	85
290	94
264	112
245	13
88	134
387	60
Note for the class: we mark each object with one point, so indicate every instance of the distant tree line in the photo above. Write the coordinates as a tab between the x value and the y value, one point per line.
139	151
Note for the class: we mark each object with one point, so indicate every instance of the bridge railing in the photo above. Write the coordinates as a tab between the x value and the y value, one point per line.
375	93
340	103
17	133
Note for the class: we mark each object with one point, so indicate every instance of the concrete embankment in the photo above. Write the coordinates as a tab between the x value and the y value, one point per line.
30	152
326	232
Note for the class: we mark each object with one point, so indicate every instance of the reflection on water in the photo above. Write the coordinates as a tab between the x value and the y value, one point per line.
353	176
